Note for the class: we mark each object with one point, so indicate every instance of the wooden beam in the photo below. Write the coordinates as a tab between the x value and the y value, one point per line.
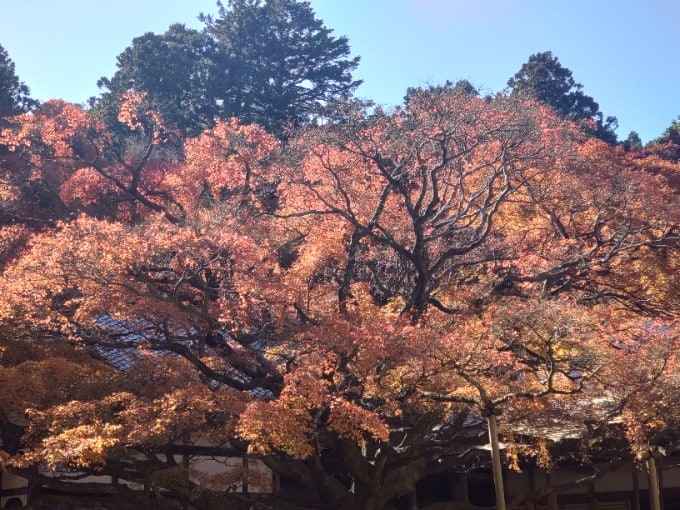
496	461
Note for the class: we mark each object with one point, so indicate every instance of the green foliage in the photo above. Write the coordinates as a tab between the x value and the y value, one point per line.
278	64
633	141
544	78
463	87
174	70
668	144
270	62
14	94
671	134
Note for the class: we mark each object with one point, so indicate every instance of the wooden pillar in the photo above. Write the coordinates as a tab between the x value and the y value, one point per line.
659	474
186	460
636	489
654	487
592	496
496	461
413	500
276	484
147	488
244	484
531	474
552	496
460	489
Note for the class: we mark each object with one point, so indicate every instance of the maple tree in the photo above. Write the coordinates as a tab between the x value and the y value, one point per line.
340	307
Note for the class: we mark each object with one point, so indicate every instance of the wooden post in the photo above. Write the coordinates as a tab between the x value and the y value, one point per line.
531	474
460	489
654	495
147	488
496	461
592	496
413	500
244	485
552	496
659	474
636	489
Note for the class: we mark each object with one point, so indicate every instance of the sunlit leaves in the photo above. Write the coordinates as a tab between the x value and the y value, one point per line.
399	271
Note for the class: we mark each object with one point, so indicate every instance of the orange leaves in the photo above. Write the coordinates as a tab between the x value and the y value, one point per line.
397	269
286	423
48	133
85	186
82	433
61	268
230	158
309	400
337	367
81	447
132	103
271	426
352	421
138	115
419	191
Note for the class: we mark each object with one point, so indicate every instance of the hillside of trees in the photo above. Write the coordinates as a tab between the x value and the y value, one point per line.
333	288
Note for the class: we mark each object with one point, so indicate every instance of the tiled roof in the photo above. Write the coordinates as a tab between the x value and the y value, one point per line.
123	339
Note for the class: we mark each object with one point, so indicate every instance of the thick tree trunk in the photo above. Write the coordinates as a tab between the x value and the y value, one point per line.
654	488
496	462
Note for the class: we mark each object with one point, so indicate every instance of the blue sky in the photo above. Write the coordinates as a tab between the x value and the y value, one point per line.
626	53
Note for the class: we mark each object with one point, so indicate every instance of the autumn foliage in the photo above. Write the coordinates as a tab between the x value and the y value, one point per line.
339	306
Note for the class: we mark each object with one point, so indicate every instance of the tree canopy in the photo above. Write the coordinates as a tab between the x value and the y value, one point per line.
340	307
194	269
667	146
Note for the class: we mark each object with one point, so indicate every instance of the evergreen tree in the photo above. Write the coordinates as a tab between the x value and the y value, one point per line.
462	86
544	78
174	70
671	134
668	144
278	63
14	94
632	141
265	61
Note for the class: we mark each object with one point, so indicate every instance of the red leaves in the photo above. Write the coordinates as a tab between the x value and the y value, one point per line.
230	158
395	270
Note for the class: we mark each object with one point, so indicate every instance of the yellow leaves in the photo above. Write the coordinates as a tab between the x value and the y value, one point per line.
275	425
81	434
81	447
351	422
